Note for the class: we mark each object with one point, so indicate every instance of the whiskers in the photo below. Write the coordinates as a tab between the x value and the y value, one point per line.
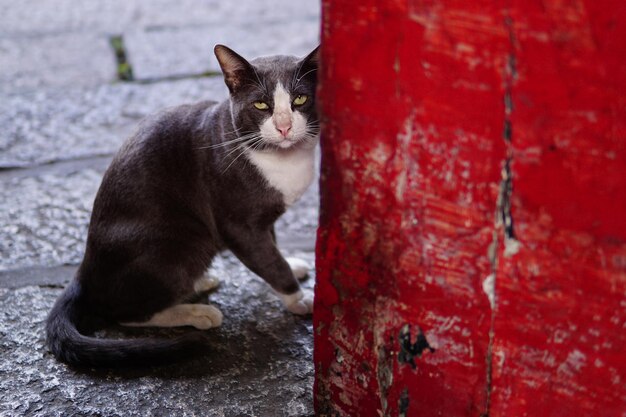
232	150
240	145
252	143
238	139
311	133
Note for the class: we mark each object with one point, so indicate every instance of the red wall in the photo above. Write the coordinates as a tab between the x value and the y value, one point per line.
466	144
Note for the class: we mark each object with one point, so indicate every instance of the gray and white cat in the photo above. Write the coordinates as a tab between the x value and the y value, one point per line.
191	182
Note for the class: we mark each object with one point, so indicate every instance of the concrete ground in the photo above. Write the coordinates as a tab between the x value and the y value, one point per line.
63	115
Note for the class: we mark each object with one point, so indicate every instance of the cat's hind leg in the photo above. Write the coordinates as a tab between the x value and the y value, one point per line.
200	316
206	283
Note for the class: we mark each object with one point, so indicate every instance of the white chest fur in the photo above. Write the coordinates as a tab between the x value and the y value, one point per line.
290	171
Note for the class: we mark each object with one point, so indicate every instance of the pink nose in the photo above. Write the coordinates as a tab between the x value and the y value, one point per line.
284	130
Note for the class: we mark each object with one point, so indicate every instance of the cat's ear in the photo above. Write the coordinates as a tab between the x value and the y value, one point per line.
309	64
235	68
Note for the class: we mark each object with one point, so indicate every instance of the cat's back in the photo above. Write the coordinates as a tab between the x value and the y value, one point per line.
167	139
174	124
160	159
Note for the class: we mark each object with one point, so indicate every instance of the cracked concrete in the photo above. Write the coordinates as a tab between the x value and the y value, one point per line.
63	117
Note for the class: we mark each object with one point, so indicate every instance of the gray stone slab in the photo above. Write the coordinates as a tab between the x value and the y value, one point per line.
43	219
44	17
44	215
64	60
65	123
66	44
190	49
259	363
38	18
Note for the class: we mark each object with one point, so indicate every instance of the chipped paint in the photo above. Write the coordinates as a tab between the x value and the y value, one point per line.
384	373
489	288
410	350
511	246
403	403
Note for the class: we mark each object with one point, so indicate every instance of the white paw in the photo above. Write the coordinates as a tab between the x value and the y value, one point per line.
299	267
203	316
300	302
206	283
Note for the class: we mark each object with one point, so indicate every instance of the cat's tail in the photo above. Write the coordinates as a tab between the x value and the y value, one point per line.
70	346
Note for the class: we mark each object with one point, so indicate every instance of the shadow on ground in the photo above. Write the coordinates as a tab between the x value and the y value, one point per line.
259	363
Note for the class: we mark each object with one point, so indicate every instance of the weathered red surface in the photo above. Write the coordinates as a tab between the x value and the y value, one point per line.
425	104
560	324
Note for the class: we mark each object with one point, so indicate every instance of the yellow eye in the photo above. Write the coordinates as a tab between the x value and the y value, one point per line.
299	100
261	105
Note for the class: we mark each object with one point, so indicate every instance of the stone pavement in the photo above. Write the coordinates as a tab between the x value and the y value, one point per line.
63	115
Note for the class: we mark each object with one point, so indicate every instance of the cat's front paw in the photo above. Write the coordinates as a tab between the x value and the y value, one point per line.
299	267
300	303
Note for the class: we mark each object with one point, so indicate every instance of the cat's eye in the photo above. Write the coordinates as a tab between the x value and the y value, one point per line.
300	100
261	105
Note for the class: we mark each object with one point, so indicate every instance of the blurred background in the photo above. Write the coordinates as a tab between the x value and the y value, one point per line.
75	79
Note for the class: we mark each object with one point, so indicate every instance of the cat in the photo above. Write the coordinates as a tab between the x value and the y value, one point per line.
191	182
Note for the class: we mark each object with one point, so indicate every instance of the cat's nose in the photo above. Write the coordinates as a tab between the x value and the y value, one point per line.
284	130
282	122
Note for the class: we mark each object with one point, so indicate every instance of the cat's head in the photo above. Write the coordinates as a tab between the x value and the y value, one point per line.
272	98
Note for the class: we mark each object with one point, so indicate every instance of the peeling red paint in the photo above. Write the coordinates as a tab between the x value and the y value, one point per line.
423	104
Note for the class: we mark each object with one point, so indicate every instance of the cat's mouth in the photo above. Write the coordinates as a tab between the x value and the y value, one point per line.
285	143
307	142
